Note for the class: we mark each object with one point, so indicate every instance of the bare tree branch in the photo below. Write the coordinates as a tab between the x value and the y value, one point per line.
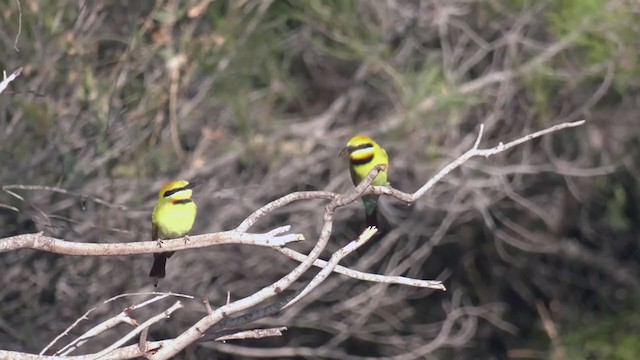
61	191
38	241
366	276
124	316
7	79
473	152
15	42
254	334
138	330
285	200
366	235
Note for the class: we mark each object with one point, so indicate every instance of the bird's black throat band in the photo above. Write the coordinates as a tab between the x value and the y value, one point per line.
362	161
182	201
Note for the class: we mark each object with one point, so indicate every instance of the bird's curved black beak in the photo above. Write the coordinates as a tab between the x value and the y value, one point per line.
345	150
193	184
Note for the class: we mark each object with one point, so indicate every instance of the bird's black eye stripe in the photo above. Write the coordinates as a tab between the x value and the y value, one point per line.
173	191
361	146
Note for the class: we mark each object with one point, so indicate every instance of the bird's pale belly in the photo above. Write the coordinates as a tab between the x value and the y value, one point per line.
181	223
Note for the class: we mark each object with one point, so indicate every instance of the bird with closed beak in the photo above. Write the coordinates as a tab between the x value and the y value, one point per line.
365	154
173	217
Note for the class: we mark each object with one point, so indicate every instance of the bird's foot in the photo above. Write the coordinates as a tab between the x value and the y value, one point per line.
186	239
159	241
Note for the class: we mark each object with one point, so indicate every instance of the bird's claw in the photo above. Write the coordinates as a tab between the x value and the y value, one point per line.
186	239
159	241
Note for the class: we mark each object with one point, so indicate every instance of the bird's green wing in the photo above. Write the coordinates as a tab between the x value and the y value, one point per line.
386	157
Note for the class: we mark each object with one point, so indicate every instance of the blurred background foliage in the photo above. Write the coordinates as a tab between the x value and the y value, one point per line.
257	97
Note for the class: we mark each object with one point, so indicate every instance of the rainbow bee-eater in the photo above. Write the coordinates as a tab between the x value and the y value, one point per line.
173	217
364	154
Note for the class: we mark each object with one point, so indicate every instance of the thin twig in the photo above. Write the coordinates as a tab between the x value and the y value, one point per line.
94	330
254	334
278	203
335	258
552	331
122	317
62	191
473	152
165	314
385	279
15	42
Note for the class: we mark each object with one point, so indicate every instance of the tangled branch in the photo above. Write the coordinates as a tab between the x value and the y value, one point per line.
274	239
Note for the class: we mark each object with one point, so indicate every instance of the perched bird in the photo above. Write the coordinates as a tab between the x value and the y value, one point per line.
173	217
364	155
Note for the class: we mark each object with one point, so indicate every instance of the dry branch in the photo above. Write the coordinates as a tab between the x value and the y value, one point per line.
138	330
122	317
7	79
473	152
253	334
385	279
60	191
38	241
366	235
